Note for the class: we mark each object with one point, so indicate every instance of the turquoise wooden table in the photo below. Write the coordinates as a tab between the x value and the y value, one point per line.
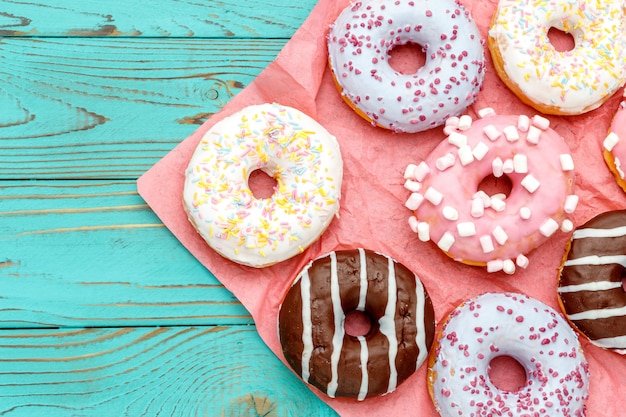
102	311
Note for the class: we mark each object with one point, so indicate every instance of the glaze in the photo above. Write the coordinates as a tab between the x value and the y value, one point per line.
359	45
303	158
312	333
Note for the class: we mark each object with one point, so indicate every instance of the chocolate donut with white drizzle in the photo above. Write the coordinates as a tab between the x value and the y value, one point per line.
312	315
590	288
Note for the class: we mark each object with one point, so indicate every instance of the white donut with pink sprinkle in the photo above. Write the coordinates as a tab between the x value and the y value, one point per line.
359	45
517	326
498	231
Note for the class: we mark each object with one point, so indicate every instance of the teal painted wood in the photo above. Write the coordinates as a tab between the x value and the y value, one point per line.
165	18
111	108
175	372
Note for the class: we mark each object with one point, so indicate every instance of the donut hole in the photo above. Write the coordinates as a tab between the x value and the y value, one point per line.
492	185
506	373
407	58
561	41
261	184
358	323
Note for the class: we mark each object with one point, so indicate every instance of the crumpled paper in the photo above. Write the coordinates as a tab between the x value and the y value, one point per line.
373	215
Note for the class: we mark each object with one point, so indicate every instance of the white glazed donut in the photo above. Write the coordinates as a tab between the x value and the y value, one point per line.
289	146
359	44
472	227
514	325
553	82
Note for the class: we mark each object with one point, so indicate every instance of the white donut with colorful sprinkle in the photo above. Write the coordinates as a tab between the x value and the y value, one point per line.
303	158
359	46
498	231
513	325
560	82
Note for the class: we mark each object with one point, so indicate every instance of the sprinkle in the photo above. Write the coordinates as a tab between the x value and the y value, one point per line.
567	226
510	133
533	135
486	244
491	132
445	161
466	229
446	242
423	231
465	155
571	202
500	235
541	122
465	122
520	164
523	123
433	196
450	213
414	201
522	261
480	151
567	163
530	183
549	227
457	139
412	186
610	141
421	171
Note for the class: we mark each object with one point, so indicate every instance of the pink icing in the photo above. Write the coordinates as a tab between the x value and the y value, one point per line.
496	231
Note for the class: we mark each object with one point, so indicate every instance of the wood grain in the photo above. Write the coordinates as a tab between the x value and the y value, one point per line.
168	18
85	253
111	108
179	371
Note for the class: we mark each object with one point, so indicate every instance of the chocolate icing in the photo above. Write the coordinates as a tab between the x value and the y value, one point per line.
589	309
407	319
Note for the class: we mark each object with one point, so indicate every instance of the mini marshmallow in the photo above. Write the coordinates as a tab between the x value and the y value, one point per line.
610	141
525	213
500	235
446	242
491	132
533	135
530	183
413	222
486	244
457	139
567	163
498	204
423	231
497	167
478	208
571	202
450	213
508	266
409	171
510	133
567	226
523	123
495	266
452	121
414	201
484	197
522	261
466	229
507	166
520	164
465	155
412	186
480	151
486	112
465	122
541	122
549	227
433	196
445	161
421	171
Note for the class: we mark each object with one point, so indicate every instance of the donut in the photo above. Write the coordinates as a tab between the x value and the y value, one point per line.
614	145
450	209
303	158
522	328
359	45
590	290
559	82
314	339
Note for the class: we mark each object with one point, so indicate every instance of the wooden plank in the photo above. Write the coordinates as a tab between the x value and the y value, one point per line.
182	371
111	108
175	18
86	253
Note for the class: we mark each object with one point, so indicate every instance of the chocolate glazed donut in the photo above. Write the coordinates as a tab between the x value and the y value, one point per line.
590	285
312	315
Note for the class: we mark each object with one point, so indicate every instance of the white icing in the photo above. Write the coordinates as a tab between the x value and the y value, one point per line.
339	319
597	260
598	314
599	233
590	286
307	328
388	325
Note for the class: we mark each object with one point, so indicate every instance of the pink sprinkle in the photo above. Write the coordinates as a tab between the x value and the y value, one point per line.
519	319
429	13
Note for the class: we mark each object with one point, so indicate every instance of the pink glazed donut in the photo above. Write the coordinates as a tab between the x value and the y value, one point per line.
450	209
614	145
